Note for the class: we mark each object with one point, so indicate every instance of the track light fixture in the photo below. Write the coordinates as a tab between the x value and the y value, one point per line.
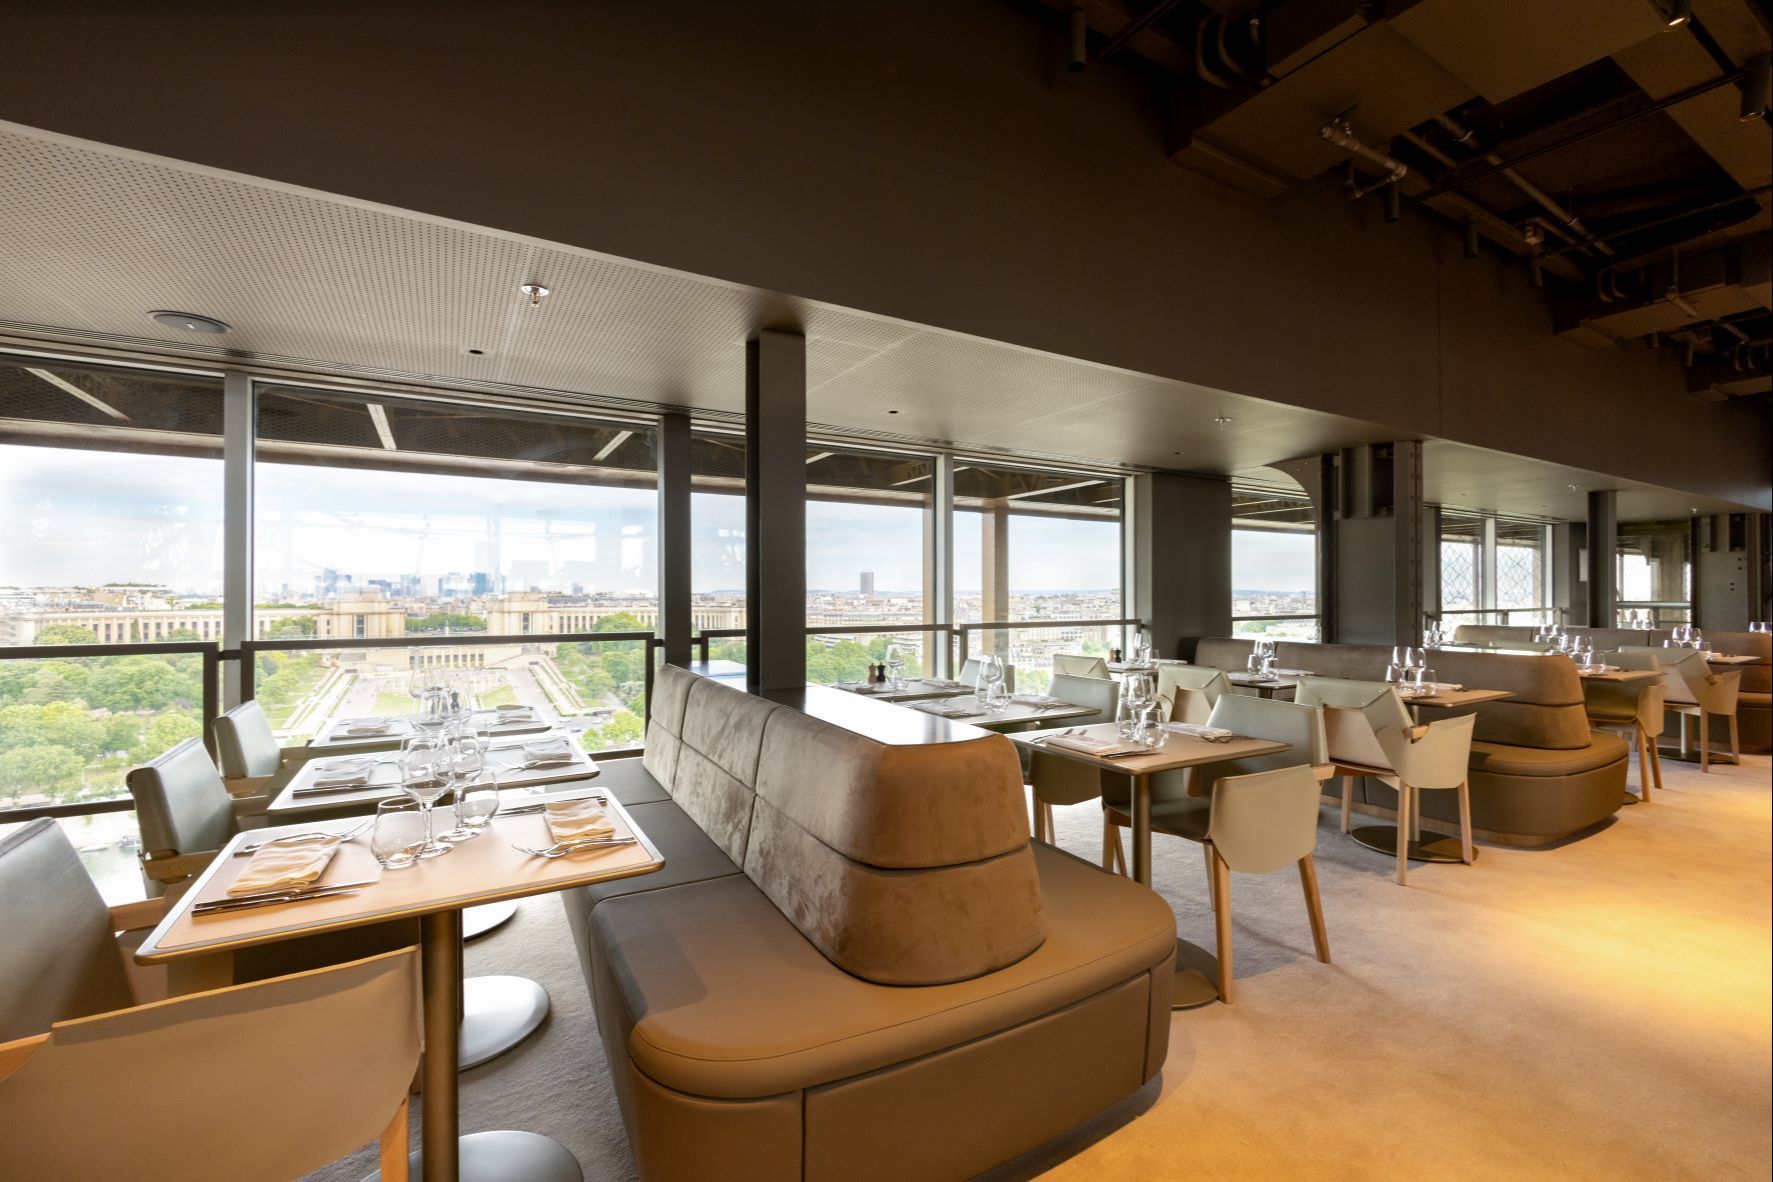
1536	271
1080	38
1393	206
1757	88
1471	240
1674	13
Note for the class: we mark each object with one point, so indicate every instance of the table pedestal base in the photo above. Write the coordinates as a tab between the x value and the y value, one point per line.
1435	848
497	1014
478	921
1691	755
506	1157
1197	977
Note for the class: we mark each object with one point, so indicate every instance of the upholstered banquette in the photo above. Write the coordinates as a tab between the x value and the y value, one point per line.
854	964
1538	772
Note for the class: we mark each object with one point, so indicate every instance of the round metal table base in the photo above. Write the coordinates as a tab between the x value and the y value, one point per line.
1197	977
1436	848
1692	756
478	921
506	1157
497	1014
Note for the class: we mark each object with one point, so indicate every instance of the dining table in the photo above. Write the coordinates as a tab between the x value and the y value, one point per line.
1020	711
383	730
490	868
1196	981
1266	686
909	689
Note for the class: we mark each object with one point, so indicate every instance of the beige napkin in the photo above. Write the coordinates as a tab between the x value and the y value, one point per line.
343	773
367	726
276	867
1193	730
556	752
577	820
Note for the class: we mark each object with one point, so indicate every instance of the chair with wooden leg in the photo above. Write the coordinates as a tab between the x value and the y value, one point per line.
1429	758
1188	693
1694	691
1079	665
1054	780
1634	710
1354	712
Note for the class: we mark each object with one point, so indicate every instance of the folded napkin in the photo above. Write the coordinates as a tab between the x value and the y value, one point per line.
862	687
1194	730
943	683
288	866
1099	747
549	752
577	820
943	709
514	708
1042	700
1429	689
364	726
343	773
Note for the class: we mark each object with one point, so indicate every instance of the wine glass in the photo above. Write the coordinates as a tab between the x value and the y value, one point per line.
1135	695
896	666
464	763
991	682
424	776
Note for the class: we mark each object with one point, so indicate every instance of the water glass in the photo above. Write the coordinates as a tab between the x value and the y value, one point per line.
398	833
1254	664
1148	726
1422	677
477	802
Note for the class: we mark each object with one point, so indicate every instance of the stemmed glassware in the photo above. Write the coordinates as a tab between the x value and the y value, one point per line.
464	766
1136	694
424	776
895	662
991	683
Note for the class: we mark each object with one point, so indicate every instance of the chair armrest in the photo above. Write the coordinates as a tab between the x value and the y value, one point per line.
1324	771
175	867
132	917
13	1054
248	787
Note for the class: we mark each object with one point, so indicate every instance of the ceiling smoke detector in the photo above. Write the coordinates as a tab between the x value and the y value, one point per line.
189	321
536	293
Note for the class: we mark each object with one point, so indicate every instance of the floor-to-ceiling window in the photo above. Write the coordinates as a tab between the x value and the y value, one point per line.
1273	563
1655	571
717	541
1494	569
110	534
380	517
1039	548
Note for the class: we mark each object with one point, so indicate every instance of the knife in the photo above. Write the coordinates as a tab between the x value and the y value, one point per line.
525	809
266	898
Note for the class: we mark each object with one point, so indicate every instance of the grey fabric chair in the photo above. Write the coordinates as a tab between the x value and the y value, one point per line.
969	674
91	1097
252	763
1055	780
185	812
1079	665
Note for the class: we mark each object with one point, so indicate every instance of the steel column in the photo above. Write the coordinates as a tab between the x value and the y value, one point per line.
239	432
675	619
775	510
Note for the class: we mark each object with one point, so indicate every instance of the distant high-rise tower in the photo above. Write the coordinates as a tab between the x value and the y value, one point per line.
868	582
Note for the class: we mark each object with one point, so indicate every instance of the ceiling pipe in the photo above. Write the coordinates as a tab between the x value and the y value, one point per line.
1569	220
1338	132
1134	27
1757	88
1216	81
1079	38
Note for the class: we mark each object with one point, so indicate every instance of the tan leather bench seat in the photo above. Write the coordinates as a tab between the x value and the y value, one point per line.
724	998
1503	759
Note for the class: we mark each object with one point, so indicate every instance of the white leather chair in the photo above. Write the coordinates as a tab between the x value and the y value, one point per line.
186	814
1634	710
969	674
1692	690
1056	780
1254	815
1079	665
252	763
1369	733
1190	692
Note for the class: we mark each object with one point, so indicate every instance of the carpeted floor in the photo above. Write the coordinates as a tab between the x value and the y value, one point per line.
1599	1009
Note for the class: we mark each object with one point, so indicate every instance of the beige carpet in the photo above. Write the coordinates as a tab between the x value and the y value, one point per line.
1600	1009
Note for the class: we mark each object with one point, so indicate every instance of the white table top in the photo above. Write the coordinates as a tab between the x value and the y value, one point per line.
401	725
484	870
1178	751
1015	714
505	755
915	689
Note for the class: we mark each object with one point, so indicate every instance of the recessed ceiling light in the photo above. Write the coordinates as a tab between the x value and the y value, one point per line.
892	412
535	291
189	321
1222	419
1575	487
475	352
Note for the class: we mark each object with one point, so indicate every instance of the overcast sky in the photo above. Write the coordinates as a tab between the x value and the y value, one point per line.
82	517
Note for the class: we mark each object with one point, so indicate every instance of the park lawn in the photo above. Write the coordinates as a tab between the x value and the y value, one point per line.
502	695
392	704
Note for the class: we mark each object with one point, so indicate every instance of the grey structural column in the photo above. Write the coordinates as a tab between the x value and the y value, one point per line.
1379	545
1569	590
676	622
1431	565
938	567
1602	542
775	511
994	575
239	435
1317	476
1182	558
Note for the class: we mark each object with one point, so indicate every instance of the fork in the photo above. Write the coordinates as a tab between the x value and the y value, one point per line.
253	847
561	849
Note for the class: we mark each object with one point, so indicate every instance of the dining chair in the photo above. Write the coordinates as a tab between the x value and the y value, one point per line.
1369	733
969	674
1190	692
186	815
1694	691
1054	779
1079	665
154	1091
247	749
1635	710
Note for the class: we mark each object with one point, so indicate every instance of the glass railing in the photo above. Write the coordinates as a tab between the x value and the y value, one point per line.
1030	645
1507	616
1284	627
837	652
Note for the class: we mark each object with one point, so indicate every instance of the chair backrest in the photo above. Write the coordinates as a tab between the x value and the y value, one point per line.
1190	692
1635	659
93	1101
1102	693
969	674
61	958
1652	699
1263	821
1058	780
1683	672
1354	713
1300	727
1441	758
244	744
181	802
1079	665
